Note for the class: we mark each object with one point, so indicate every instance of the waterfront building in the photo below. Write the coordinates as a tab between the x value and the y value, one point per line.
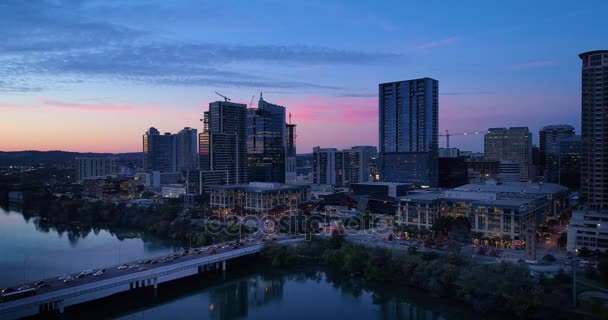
408	131
258	197
555	194
223	142
94	168
490	213
266	139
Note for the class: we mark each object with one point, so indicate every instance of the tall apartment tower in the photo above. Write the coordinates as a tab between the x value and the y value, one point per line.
594	132
366	155
223	142
266	142
187	151
408	131
159	151
513	145
549	142
290	152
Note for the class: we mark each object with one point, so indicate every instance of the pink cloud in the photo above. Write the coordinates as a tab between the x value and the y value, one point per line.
534	64
105	108
442	42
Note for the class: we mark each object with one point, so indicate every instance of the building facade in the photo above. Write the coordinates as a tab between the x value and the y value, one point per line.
594	136
160	152
408	131
481	170
556	195
570	162
512	144
187	151
258	197
367	156
290	153
223	142
341	168
491	214
588	229
266	142
94	168
549	144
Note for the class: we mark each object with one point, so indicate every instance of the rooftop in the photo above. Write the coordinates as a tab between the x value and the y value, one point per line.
515	187
259	187
388	184
474	197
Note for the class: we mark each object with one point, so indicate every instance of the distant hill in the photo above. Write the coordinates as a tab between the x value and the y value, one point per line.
33	157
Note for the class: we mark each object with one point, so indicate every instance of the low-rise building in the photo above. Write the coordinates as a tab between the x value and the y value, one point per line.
95	168
555	194
382	189
258	197
588	229
173	190
490	213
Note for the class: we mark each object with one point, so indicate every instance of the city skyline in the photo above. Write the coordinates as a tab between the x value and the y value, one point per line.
66	68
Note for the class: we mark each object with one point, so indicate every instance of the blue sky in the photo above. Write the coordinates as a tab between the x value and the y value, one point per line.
94	75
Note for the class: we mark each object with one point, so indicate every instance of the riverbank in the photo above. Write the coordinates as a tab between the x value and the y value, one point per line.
487	287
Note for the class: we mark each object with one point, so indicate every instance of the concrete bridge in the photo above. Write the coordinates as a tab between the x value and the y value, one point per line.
60	295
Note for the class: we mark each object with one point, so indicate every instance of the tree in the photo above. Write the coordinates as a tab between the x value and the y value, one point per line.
584	252
602	267
442	225
549	258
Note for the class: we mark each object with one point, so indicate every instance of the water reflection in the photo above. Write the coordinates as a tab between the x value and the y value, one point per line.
311	294
32	249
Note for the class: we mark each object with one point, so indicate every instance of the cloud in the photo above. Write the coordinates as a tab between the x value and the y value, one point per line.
439	43
104	108
534	64
465	93
71	39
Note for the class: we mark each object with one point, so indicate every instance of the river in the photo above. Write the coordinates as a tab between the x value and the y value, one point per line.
30	251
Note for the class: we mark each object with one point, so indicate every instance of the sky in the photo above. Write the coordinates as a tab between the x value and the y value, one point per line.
93	76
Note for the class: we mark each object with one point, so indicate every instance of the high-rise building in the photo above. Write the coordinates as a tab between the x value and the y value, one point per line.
187	153
342	168
89	168
549	142
408	125
266	142
223	142
159	151
513	145
290	152
367	155
594	133
570	162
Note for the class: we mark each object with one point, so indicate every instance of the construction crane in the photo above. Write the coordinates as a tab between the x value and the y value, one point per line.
447	135
251	103
223	96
